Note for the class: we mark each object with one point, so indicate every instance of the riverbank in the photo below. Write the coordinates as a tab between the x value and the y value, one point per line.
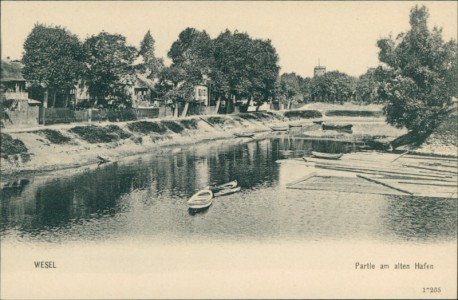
71	145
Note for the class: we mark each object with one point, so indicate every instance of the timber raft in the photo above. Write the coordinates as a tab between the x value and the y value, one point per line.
382	173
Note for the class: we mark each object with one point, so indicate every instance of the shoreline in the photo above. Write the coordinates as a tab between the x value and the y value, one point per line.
68	146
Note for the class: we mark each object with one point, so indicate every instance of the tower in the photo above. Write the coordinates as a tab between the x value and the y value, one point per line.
319	70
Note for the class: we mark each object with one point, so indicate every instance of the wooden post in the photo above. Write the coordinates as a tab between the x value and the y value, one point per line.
185	110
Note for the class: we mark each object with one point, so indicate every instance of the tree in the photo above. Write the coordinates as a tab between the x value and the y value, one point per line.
109	70
53	59
333	86
244	68
420	70
290	87
151	65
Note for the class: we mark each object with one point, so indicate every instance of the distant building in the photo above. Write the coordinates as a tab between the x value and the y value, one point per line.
319	71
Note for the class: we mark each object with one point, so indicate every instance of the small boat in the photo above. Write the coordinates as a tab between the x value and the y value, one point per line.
319	122
336	126
294	125
279	128
327	155
201	199
228	191
244	135
103	159
217	188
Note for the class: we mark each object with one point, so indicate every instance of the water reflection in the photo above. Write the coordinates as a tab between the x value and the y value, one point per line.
146	196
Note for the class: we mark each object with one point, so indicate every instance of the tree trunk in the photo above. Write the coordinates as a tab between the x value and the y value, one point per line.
175	111
185	110
54	98
45	98
218	104
66	99
411	138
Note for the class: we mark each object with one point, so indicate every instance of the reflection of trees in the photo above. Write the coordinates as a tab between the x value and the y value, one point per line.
421	218
94	193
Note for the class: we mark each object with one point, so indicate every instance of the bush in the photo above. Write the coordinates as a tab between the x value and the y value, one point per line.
173	126
95	134
189	124
11	146
303	114
146	127
54	136
353	113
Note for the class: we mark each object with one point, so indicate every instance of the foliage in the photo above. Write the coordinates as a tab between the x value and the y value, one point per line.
303	114
146	127
421	74
95	134
191	56
151	65
109	70
333	86
54	136
244	67
53	58
10	146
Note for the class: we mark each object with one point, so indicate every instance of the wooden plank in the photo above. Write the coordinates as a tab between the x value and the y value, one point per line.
430	169
308	176
372	171
384	184
400	156
430	183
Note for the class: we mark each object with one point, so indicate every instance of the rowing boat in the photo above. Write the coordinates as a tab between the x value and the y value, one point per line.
228	191
327	155
217	188
243	135
201	199
279	128
294	125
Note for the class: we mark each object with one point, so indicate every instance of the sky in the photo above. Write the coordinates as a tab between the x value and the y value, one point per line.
340	35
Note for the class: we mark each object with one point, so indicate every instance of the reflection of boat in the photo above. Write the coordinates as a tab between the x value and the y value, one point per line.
201	199
327	155
217	188
227	191
279	128
242	134
336	126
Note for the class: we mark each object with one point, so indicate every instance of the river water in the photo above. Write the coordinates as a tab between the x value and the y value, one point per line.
142	201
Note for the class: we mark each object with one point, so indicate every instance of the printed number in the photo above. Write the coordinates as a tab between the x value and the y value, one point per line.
432	290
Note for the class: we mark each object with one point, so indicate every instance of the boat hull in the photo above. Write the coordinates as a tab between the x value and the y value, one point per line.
228	185
327	155
201	199
244	135
225	192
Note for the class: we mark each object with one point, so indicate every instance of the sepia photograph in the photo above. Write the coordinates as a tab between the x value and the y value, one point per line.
229	150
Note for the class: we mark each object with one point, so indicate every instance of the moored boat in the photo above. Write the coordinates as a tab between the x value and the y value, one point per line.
336	126
327	155
294	125
227	191
319	122
242	134
227	185
279	128
201	199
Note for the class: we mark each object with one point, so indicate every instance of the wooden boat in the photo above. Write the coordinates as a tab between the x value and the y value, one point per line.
244	135
319	122
327	155
201	199
217	188
279	128
336	126
294	125
228	191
